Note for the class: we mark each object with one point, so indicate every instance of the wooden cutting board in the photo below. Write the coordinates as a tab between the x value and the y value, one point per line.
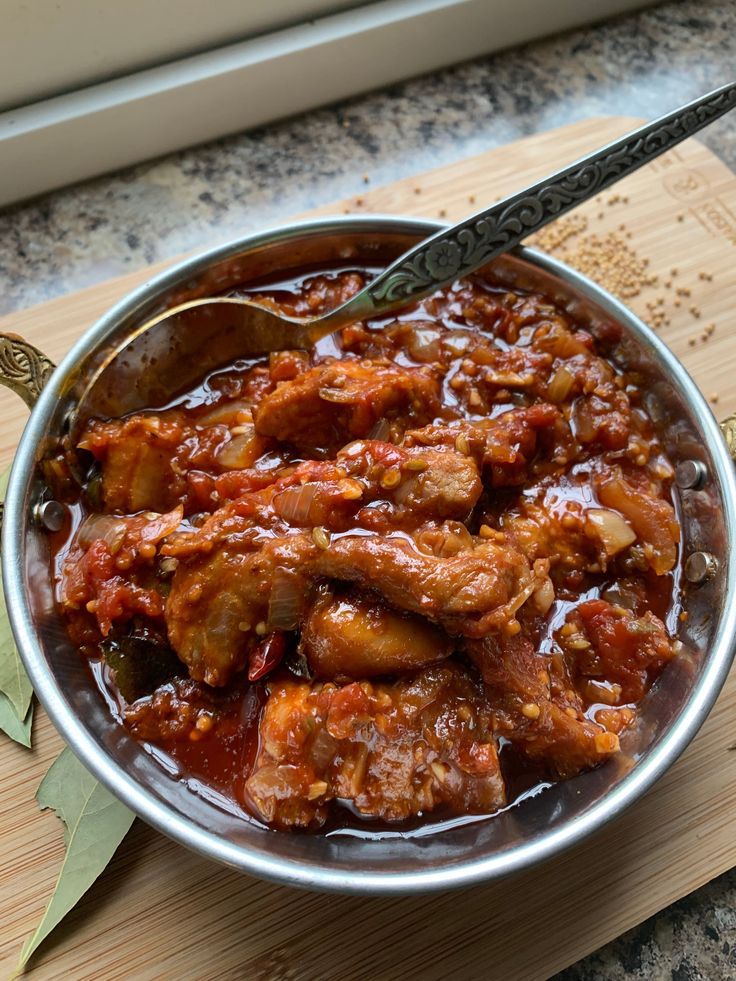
160	911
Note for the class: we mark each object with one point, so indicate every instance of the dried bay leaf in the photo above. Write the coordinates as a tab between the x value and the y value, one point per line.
95	824
14	682
18	729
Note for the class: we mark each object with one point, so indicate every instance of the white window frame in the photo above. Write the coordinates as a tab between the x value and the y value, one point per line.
114	123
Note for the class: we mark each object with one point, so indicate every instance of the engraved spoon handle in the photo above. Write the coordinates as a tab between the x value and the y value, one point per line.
457	251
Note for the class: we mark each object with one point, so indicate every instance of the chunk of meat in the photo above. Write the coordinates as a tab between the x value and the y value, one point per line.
216	601
136	456
338	401
548	521
421	481
216	604
537	710
349	636
392	750
148	460
502	447
614	646
109	554
468	593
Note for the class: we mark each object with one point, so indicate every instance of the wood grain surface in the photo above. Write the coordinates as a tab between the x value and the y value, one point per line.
161	912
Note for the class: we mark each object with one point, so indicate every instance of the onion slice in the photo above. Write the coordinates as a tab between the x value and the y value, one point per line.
610	528
381	430
286	603
107	527
295	503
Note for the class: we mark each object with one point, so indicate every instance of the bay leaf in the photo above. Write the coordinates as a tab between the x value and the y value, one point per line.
11	725
95	822
14	682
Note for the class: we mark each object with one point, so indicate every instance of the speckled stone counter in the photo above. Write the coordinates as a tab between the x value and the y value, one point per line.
642	64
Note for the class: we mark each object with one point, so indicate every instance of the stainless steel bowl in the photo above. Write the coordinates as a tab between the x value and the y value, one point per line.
527	833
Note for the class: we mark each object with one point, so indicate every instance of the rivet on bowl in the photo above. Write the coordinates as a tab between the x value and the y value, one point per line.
50	514
700	566
690	474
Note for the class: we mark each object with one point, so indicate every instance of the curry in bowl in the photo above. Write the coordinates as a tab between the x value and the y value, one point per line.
413	575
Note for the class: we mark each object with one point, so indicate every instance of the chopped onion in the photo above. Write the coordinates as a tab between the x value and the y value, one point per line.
456	342
323	750
162	525
226	414
240	451
423	344
544	597
584	427
381	430
286	602
295	504
102	526
560	385
610	528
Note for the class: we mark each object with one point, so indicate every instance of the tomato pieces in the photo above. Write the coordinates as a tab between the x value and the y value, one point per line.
623	649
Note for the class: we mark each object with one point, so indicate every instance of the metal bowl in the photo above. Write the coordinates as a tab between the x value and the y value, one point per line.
472	851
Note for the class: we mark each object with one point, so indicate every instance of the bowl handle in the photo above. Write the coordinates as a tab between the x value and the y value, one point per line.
23	368
728	428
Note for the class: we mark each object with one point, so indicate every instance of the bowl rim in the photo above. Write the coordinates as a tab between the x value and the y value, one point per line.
172	823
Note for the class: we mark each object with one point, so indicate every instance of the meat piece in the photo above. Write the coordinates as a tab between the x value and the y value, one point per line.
549	521
614	646
536	708
136	456
502	447
349	636
109	554
147	460
217	607
393	751
216	602
421	481
338	401
468	593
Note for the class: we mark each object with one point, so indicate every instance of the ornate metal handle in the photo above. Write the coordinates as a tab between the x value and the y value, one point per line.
728	428
472	243
23	368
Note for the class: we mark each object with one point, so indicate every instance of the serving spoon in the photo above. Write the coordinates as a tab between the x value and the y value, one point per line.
435	262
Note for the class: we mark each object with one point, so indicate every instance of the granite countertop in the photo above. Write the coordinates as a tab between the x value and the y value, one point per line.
640	64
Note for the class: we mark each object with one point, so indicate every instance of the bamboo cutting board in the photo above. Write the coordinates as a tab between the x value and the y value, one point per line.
161	912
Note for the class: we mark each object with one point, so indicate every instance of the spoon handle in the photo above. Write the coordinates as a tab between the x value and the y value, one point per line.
457	251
